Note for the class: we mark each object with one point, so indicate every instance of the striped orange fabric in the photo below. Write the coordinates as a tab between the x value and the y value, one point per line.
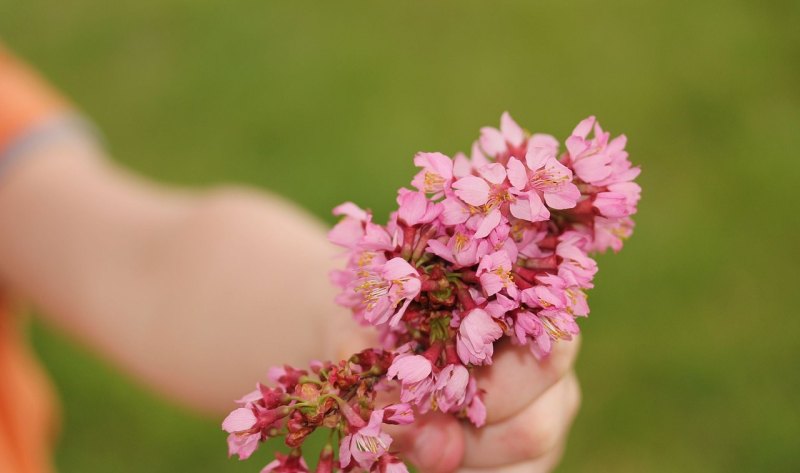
26	398
26	403
25	99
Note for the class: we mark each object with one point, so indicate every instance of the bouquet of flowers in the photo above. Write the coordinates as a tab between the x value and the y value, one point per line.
491	246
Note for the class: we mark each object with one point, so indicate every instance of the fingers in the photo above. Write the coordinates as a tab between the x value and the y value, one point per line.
532	434
543	464
433	444
516	378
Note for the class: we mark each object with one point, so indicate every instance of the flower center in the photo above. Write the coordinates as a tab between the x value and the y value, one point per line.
433	182
547	178
505	276
370	444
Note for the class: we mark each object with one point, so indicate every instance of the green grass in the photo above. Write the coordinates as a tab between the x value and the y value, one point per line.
689	357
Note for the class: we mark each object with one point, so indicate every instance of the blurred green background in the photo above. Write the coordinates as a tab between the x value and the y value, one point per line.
690	355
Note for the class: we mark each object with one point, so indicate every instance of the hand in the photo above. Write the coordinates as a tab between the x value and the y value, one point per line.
530	407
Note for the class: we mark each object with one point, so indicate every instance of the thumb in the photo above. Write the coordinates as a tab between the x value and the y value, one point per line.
434	443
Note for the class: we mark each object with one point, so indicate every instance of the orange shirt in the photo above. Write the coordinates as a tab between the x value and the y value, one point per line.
26	403
26	400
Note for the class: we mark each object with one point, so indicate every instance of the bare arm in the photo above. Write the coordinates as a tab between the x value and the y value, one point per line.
195	293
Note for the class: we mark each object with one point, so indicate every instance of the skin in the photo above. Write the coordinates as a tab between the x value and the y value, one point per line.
197	293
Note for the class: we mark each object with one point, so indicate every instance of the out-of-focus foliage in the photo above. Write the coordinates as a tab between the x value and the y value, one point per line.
689	358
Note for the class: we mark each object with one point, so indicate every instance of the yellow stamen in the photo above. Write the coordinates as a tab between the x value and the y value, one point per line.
553	330
461	242
433	182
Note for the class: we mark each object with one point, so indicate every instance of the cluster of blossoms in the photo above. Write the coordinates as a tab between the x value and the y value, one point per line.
484	247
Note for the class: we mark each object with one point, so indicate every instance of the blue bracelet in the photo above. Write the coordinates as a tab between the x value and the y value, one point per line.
53	129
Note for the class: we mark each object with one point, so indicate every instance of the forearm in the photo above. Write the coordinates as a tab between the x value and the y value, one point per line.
197	294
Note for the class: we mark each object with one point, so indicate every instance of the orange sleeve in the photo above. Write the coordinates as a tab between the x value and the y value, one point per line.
25	99
27	412
27	405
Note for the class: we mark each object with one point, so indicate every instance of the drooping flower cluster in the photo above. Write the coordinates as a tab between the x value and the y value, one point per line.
491	246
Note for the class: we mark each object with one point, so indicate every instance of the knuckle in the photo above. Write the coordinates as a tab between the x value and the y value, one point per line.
534	439
575	396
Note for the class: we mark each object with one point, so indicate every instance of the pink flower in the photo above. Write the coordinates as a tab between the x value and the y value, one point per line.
529	330
473	190
576	268
383	288
476	410
621	168
366	445
546	296
610	204
415	208
451	387
482	200
495	142
494	272
559	324
589	158
480	220
436	174
243	439
286	464
414	374
356	230
500	306
544	180
476	336
610	233
461	249
389	463
410	369
350	230
398	414
555	294
246	427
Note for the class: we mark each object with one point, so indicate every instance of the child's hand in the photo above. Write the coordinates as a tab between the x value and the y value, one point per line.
530	407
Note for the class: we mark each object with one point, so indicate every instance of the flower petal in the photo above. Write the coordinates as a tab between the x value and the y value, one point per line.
472	190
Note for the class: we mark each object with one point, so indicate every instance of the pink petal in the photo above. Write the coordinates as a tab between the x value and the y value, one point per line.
517	174
441	250
488	224
512	132
478	158
491	283
521	209
472	190
376	238
437	162
536	158
398	268
244	446
593	168
539	212
492	141
454	212
410	369
461	165
346	233
566	197
351	210
344	451
576	145
493	172
412	206
477	412
584	127
239	420
541	140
